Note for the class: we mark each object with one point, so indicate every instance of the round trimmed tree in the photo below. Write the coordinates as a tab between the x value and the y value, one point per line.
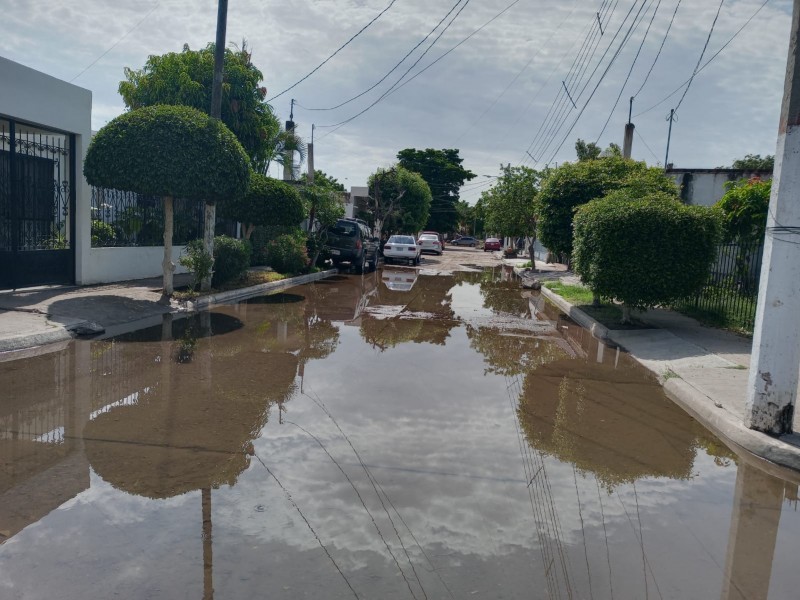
267	202
644	251
168	151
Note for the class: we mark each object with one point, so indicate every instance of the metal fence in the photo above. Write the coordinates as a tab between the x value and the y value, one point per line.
129	219
731	290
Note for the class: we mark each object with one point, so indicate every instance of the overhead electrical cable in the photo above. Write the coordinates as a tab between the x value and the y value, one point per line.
699	60
519	73
660	48
392	70
115	44
578	65
337	126
708	62
339	49
554	132
611	62
630	71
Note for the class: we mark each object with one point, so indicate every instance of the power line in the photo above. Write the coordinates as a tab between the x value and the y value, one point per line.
708	62
337	126
392	70
660	48
339	49
699	60
630	71
115	44
636	131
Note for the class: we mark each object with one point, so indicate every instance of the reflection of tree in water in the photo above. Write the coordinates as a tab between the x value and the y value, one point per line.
513	353
430	314
613	422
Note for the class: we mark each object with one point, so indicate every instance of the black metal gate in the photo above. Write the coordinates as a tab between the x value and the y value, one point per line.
37	204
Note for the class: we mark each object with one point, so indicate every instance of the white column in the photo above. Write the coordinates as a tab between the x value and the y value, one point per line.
772	386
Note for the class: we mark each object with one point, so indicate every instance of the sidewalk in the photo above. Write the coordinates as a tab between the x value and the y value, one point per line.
704	370
38	316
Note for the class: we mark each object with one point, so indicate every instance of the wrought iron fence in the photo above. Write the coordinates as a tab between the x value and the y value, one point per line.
730	293
129	219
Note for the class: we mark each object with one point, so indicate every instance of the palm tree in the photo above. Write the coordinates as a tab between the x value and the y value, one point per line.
281	149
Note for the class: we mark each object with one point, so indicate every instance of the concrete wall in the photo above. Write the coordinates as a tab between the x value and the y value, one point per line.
704	187
39	99
120	264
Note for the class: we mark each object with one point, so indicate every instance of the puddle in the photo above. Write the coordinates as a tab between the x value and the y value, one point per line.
447	437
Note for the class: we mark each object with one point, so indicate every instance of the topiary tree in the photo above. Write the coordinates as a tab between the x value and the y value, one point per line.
573	184
644	251
168	151
267	202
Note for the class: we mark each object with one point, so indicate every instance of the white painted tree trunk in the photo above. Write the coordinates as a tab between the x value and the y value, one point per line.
209	223
167	264
626	314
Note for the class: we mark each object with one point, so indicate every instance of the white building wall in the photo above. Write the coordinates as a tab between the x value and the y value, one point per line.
31	96
704	187
121	264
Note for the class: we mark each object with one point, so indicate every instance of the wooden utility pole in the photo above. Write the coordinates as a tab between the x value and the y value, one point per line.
772	386
210	219
671	119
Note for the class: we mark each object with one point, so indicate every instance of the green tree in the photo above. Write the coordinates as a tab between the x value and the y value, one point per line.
572	184
322	178
443	172
324	205
644	251
400	200
586	151
510	205
754	162
744	209
137	152
186	77
268	202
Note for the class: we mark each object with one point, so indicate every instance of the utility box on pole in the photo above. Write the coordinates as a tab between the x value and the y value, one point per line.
772	386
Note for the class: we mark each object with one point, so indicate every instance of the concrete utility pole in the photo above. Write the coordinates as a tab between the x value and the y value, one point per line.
210	217
671	119
310	155
772	387
288	155
627	143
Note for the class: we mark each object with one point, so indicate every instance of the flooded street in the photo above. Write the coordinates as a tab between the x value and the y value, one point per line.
392	435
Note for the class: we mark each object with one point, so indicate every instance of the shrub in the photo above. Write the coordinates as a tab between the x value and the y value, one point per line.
744	209
644	252
102	234
287	253
268	202
231	259
197	260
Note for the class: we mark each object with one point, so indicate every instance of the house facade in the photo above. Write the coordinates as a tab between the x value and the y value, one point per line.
704	187
47	209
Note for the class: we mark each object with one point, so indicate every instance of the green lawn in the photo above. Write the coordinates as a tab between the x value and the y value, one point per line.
581	297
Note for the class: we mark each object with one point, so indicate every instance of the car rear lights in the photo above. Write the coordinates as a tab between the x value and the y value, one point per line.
358	244
387	247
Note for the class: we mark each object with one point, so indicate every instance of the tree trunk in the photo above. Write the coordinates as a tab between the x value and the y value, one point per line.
626	314
210	222
247	230
167	264
596	299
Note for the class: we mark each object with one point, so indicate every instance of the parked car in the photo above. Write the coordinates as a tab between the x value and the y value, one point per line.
465	240
402	247
430	243
437	234
350	240
491	244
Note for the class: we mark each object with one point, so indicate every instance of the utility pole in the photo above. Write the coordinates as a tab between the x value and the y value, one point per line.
772	385
627	143
671	118
310	154
210	217
288	155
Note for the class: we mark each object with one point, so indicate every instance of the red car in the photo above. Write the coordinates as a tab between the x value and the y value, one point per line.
491	244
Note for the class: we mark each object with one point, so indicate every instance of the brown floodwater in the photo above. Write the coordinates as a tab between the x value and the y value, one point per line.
396	435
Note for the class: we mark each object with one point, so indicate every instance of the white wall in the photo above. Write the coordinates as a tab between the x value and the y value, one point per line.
704	187
120	264
39	99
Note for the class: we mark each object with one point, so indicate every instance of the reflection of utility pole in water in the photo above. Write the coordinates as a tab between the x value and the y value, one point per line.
208	571
754	528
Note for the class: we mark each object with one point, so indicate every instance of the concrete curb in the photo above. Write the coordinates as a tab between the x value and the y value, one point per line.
255	290
29	340
701	407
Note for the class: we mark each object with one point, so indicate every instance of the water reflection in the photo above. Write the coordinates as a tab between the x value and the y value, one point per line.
513	464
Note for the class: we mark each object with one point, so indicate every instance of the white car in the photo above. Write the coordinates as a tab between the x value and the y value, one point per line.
430	243
402	247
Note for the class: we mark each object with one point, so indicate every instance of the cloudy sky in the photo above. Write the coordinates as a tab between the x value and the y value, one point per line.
499	96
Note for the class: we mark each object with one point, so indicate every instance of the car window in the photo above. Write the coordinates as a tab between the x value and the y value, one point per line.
346	228
432	238
401	239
